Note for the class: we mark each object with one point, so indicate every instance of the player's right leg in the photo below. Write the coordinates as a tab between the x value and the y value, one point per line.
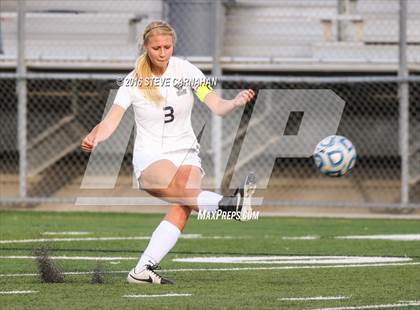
240	202
179	185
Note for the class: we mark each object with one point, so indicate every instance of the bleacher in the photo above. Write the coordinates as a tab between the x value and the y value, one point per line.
92	34
290	35
315	32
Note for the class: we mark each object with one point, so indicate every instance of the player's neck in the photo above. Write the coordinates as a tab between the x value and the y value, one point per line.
159	71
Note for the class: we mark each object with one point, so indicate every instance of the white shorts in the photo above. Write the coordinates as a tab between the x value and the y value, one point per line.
142	159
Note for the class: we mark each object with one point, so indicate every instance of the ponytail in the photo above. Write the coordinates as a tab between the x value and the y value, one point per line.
143	72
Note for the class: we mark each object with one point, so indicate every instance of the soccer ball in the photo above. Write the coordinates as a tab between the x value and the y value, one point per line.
335	155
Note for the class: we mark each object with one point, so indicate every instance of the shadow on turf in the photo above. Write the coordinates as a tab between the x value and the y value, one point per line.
48	272
98	274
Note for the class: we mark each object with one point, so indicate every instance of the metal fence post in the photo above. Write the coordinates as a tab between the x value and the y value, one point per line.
404	103
216	121
22	99
1	41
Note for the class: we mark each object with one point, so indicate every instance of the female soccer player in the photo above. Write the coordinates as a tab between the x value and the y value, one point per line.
165	157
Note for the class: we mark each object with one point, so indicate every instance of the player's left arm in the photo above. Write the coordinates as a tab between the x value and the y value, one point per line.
221	106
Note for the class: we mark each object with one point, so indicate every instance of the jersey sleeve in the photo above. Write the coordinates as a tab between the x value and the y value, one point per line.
199	85
123	97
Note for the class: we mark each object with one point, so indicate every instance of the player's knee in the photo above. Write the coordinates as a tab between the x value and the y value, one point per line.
182	214
178	215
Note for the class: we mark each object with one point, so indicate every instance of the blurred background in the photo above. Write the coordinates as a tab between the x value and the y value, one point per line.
60	61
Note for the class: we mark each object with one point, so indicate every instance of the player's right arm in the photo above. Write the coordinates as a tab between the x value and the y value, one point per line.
104	129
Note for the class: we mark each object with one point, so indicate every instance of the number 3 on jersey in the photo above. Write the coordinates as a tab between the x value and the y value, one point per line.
169	114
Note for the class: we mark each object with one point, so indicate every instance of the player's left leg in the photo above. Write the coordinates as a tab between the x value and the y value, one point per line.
162	241
166	234
178	215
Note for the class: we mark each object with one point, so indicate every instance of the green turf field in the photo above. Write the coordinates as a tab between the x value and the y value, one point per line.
264	285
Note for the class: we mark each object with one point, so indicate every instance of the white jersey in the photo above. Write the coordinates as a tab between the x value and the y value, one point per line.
165	127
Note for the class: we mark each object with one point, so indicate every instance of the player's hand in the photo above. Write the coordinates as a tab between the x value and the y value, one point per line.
243	97
88	144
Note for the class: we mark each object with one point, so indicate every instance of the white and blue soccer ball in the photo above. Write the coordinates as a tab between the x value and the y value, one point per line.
335	155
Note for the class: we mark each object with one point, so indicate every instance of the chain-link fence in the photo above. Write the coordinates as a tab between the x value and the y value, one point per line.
370	119
245	37
62	111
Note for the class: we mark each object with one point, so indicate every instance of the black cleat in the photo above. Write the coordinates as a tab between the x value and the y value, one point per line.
147	275
240	202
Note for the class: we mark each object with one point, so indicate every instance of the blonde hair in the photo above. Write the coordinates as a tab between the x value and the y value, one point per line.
143	67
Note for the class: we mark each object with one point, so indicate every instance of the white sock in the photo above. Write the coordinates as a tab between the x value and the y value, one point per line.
163	240
208	201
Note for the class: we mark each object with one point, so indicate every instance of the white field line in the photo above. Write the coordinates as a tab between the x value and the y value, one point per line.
17	292
157	295
400	305
186	236
408	237
72	239
96	258
285	260
401	237
290	267
227	269
314	298
305	260
191	236
65	233
301	238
